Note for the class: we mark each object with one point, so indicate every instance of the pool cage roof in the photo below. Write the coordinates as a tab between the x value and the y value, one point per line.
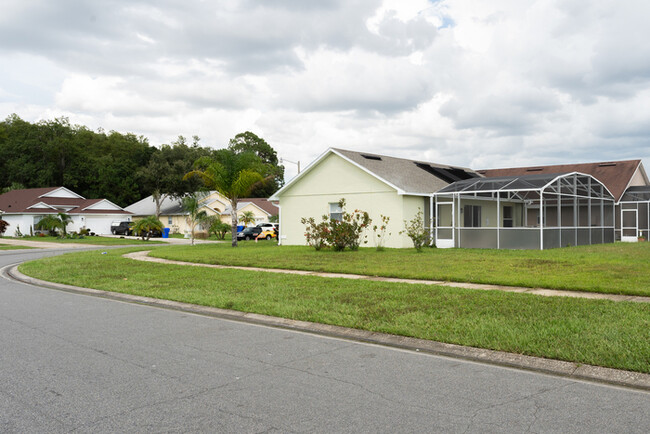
637	194
573	183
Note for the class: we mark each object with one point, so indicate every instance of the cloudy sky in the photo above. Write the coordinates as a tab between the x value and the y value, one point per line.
476	83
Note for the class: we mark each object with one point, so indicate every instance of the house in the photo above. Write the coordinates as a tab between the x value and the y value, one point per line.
22	209
625	180
263	210
172	213
378	184
173	216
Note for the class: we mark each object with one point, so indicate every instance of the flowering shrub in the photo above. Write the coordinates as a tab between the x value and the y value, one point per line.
348	232
416	231
380	232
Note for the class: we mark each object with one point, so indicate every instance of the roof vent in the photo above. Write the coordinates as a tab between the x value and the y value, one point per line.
606	164
371	157
535	169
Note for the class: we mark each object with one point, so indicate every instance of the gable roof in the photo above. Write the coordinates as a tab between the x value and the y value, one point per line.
262	203
169	206
615	175
40	201
412	177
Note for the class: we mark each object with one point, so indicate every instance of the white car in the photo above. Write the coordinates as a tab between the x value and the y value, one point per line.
271	226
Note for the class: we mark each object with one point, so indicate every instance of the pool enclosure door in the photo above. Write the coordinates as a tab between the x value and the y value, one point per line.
629	225
445	226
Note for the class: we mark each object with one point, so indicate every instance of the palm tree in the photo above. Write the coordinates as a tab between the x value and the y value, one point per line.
145	226
49	223
247	217
196	215
65	221
232	174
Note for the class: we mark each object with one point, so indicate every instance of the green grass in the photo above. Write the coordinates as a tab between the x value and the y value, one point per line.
100	241
211	238
10	247
605	333
621	268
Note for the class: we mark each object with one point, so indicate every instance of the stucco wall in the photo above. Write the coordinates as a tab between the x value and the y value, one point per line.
332	179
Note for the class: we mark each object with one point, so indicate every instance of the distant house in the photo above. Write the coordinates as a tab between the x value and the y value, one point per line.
22	209
172	213
173	216
377	184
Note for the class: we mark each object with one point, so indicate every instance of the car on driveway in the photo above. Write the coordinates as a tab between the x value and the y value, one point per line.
249	233
267	234
122	228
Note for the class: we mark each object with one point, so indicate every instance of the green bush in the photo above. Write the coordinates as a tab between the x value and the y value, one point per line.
348	232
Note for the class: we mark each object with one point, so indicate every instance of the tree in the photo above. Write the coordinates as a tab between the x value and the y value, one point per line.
247	217
65	221
3	226
13	186
249	142
192	204
146	226
49	223
232	174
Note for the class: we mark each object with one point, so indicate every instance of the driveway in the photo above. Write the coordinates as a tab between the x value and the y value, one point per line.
78	363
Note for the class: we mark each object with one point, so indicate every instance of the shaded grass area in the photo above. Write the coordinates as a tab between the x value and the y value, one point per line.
100	241
605	333
621	268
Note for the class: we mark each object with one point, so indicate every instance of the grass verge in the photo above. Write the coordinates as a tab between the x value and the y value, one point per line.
100	241
604	333
620	268
9	247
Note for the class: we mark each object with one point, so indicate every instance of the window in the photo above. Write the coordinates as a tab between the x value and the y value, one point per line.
507	216
169	220
472	215
336	213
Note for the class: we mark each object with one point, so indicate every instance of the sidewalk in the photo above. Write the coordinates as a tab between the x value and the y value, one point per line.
143	256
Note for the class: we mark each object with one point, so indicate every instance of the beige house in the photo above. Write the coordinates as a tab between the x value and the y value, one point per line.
377	184
172	214
263	210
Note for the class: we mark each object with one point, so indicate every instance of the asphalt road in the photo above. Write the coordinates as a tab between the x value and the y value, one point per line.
76	363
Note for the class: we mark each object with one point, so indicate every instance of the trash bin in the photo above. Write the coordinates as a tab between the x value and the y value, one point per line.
165	233
240	228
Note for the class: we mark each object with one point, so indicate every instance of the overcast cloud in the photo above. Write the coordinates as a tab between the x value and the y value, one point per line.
473	83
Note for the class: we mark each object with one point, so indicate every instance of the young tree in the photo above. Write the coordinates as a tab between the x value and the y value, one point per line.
247	217
192	204
65	221
145	226
231	174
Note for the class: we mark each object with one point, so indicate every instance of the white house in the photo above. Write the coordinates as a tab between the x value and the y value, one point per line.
22	209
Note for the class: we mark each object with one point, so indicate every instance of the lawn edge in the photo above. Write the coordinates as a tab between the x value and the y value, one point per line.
577	371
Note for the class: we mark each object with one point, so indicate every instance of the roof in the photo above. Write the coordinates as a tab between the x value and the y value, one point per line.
169	206
264	204
523	183
416	177
636	194
37	201
616	175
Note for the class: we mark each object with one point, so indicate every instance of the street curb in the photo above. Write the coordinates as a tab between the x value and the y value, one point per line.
635	380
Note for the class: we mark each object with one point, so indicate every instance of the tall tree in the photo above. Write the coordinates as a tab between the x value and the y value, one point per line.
271	170
232	174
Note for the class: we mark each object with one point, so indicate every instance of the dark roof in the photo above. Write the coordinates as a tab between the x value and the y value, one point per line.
261	202
616	175
410	176
20	201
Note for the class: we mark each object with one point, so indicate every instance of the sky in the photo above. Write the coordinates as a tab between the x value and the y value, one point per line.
480	84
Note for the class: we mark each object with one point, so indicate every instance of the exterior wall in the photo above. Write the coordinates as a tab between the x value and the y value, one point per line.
260	215
332	179
22	221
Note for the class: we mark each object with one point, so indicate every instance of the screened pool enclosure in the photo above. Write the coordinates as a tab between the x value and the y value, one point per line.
525	212
634	214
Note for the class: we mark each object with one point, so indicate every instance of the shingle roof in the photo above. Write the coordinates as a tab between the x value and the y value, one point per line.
410	176
616	175
169	206
23	201
263	203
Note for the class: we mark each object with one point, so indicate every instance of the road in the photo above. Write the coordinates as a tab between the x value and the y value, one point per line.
76	363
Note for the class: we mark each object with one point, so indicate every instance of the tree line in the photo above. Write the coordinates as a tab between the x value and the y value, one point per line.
122	168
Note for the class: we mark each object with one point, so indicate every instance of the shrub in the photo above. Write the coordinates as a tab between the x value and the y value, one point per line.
202	235
348	232
219	229
416	231
380	232
3	226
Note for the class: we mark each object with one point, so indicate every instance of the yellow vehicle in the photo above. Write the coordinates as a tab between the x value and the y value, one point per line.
267	235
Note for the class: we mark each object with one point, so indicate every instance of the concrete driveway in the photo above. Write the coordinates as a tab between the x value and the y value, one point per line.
78	363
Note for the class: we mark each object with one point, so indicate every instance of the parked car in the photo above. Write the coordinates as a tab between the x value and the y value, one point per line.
267	234
122	228
249	233
269	226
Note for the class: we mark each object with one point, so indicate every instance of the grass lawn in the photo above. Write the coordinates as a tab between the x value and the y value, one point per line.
211	238
101	241
9	247
620	268
595	332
